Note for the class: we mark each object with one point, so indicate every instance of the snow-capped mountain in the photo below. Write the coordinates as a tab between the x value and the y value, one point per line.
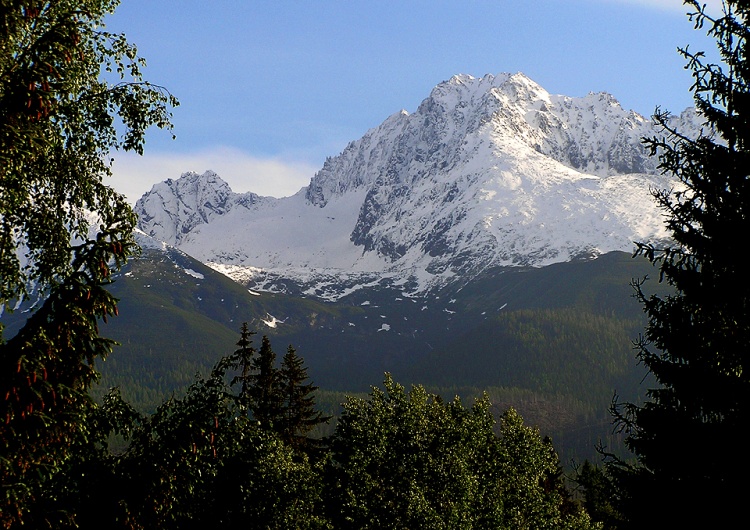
487	172
180	205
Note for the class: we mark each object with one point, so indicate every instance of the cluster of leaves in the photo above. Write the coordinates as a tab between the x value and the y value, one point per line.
412	460
59	122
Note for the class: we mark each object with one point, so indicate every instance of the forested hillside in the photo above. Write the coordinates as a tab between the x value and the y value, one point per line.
554	342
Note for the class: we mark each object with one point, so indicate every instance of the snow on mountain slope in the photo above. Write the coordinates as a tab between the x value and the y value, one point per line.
490	171
174	207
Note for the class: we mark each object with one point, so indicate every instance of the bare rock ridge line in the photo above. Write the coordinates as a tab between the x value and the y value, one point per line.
487	172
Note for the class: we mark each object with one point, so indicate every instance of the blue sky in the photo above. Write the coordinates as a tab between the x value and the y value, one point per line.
268	89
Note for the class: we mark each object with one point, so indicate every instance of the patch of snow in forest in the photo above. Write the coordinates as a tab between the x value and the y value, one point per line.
272	321
194	274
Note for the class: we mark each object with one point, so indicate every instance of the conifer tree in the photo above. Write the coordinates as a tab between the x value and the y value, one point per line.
689	470
299	415
265	390
242	361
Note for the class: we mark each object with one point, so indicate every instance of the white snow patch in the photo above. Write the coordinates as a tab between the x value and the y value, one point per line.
272	321
194	274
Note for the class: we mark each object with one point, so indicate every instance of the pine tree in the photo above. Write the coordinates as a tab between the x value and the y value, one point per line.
299	415
265	390
690	471
242	361
599	495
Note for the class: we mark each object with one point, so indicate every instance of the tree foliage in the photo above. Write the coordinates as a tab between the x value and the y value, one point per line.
45	373
279	399
599	495
242	363
411	460
696	341
299	415
200	462
63	230
266	401
60	120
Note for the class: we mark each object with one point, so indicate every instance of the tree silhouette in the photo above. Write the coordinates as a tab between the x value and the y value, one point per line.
242	361
265	388
696	341
299	415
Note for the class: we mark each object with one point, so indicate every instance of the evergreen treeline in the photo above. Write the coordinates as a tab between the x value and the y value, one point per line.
559	367
563	351
234	451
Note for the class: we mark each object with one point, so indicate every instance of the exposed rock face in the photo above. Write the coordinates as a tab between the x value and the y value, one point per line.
175	207
490	171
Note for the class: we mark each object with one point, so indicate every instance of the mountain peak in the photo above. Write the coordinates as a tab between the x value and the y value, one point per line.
175	207
487	172
191	183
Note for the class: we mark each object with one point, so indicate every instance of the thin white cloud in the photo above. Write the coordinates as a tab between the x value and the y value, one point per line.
134	175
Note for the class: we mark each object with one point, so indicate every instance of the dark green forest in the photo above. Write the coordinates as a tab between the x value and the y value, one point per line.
558	352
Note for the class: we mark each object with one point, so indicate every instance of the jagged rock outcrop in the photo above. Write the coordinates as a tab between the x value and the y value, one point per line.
490	171
175	207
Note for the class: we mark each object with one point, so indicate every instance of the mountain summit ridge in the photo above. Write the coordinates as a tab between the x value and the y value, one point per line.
487	172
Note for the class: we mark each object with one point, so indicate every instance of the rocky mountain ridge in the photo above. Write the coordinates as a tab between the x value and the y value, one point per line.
487	172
